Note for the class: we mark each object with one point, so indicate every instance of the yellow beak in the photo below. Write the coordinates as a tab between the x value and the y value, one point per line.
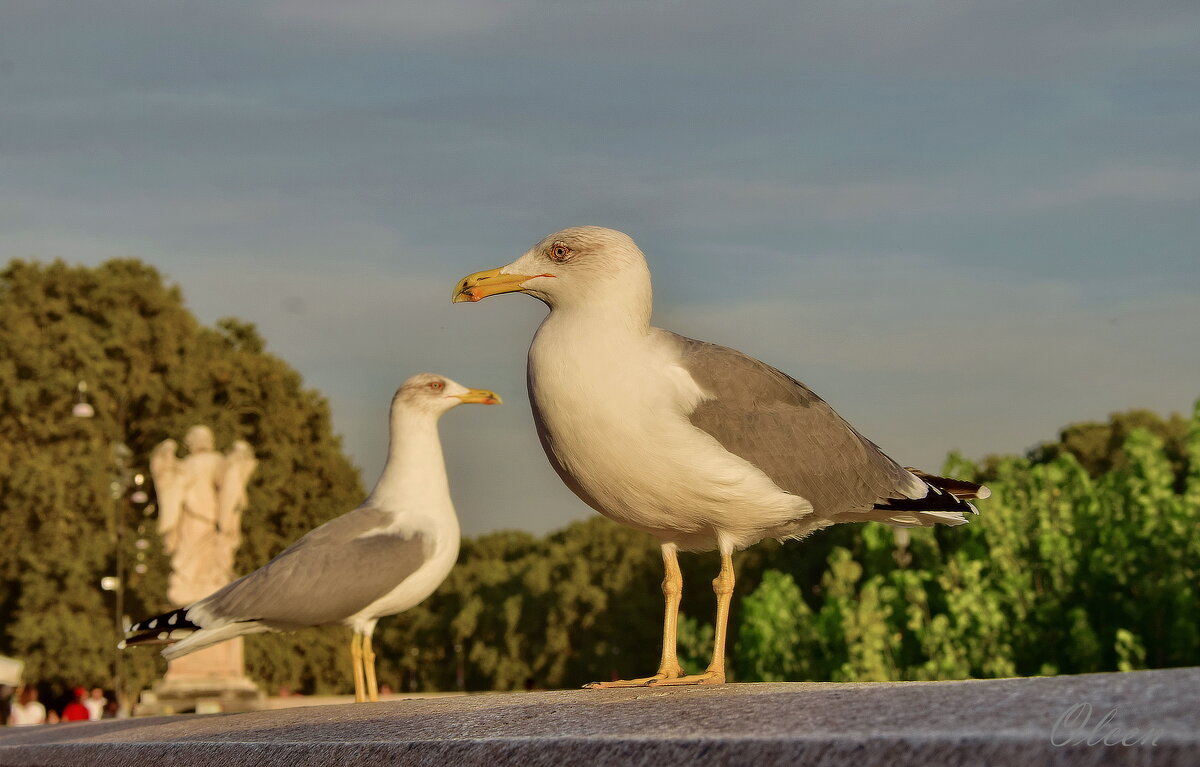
480	396
480	285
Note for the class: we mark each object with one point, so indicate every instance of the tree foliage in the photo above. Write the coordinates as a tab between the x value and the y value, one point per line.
152	371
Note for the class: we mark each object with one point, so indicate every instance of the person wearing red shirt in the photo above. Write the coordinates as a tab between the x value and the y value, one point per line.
75	711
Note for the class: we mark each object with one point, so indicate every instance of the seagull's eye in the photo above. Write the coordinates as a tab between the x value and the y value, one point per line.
559	252
436	385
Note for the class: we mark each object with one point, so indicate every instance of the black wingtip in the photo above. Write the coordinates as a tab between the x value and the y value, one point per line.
935	499
161	629
145	638
959	488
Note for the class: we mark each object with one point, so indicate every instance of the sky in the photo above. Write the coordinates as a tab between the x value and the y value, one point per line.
964	223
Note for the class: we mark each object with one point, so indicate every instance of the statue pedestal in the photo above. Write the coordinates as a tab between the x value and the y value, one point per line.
207	681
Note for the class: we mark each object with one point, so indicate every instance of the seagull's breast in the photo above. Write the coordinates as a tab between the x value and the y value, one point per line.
612	410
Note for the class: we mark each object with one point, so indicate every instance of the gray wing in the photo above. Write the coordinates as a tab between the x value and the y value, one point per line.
326	576
776	423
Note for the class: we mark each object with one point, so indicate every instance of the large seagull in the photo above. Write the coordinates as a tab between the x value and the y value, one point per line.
697	444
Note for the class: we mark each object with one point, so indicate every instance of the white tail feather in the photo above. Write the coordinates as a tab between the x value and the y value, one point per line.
198	640
904	518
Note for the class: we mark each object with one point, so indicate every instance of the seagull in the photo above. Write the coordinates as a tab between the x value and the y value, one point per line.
699	445
380	559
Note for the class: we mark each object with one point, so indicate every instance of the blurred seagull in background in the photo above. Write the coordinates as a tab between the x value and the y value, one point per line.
697	444
380	559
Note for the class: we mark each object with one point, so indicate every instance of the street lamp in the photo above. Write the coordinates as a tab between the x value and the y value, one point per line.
120	482
82	408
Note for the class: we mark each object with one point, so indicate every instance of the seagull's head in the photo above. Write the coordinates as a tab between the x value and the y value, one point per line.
578	266
435	394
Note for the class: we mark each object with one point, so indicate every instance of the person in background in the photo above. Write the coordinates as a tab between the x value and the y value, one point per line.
75	711
5	703
95	703
27	710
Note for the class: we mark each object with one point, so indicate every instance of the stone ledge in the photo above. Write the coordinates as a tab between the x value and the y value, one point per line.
1004	721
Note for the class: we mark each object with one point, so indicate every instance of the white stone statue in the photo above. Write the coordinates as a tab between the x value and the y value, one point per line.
200	503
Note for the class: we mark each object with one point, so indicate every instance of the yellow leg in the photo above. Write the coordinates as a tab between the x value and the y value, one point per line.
356	658
715	674
369	668
672	586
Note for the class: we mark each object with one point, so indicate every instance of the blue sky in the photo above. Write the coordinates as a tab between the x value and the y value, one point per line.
965	224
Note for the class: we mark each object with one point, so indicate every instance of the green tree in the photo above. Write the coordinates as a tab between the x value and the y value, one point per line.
152	371
777	640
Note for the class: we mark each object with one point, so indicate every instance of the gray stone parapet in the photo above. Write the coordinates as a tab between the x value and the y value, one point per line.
1137	718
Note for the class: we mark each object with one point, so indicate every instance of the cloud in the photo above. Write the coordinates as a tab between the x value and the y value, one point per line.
1130	183
1025	41
444	22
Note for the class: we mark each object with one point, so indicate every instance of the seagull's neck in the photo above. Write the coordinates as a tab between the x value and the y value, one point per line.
616	309
414	476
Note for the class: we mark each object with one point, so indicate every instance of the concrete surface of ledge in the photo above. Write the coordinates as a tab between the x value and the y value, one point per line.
1072	720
